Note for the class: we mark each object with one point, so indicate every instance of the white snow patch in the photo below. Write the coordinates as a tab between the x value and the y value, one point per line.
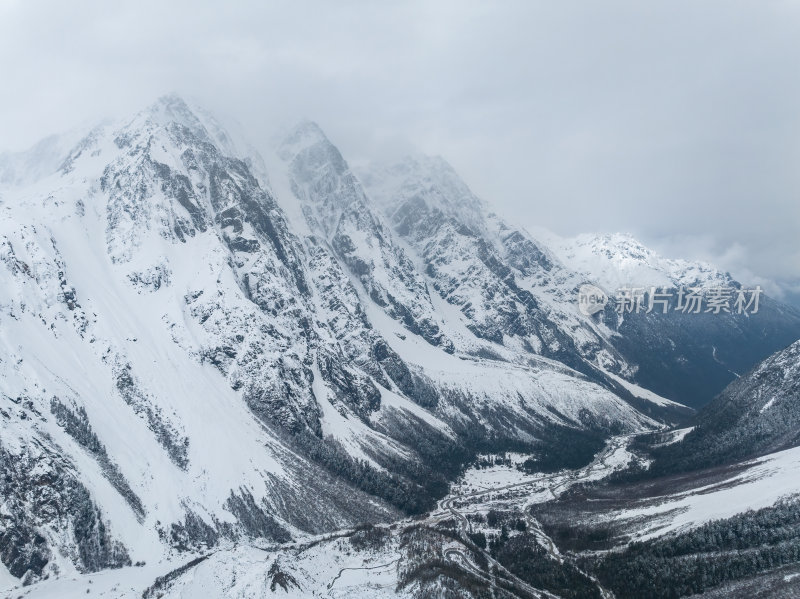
767	405
767	481
641	392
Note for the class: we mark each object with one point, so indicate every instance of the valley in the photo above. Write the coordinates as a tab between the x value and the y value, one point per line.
228	375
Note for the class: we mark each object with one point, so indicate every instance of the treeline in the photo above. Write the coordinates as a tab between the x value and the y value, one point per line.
738	424
526	558
564	447
699	450
414	485
76	424
396	490
697	560
410	485
489	461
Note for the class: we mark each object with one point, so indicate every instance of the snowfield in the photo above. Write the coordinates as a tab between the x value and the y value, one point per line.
765	482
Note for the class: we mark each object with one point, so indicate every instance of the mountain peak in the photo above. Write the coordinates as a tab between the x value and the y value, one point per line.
170	110
617	260
304	134
430	179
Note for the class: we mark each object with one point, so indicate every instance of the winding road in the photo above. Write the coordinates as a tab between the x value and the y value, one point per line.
556	484
378	567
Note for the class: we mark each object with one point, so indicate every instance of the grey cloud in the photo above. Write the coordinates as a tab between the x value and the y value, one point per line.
676	121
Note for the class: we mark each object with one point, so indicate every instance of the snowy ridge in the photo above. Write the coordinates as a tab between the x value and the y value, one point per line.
618	261
519	293
158	304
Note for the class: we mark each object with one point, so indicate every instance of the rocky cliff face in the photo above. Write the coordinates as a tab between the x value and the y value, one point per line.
185	363
520	293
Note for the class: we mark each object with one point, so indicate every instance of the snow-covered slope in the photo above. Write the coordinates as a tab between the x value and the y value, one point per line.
502	285
698	512
508	287
757	414
183	365
762	483
148	314
43	159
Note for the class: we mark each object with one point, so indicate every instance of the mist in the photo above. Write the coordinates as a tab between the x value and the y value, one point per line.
675	121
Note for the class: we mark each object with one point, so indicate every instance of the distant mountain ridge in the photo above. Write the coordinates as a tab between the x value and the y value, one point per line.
684	357
618	260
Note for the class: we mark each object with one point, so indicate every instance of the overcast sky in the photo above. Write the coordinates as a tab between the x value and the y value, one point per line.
676	121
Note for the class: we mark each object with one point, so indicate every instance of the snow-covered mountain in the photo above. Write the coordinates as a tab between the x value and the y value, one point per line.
618	260
180	366
520	290
511	290
201	347
690	357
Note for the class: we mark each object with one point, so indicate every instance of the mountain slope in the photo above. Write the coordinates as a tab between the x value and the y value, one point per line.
186	366
117	275
755	415
212	362
691	357
520	293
